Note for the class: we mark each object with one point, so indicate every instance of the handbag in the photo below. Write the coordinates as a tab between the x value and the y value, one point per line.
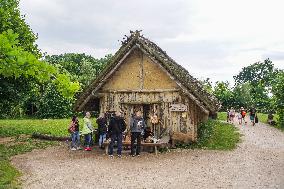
71	128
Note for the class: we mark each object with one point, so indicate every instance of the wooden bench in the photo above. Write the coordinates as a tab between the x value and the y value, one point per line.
143	144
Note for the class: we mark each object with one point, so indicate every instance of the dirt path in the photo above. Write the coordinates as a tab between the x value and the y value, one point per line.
258	162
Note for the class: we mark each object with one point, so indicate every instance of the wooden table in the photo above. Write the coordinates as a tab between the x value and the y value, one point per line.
143	144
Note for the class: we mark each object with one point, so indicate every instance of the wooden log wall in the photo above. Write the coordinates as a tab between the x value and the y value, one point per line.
160	102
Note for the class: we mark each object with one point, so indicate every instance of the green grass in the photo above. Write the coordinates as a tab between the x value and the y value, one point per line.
8	174
222	116
220	136
55	127
21	130
215	135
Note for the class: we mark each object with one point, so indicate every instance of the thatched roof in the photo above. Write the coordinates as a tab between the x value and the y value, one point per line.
192	86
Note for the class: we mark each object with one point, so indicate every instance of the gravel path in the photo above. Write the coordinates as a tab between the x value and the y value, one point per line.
258	162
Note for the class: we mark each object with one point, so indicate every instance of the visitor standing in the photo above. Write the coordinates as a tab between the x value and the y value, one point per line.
102	129
137	126
75	135
87	131
116	127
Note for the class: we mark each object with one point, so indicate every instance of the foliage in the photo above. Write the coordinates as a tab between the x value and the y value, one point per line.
83	68
10	18
15	62
224	94
278	91
215	135
242	95
207	84
259	76
53	105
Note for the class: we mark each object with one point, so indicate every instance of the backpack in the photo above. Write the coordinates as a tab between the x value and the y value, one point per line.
256	119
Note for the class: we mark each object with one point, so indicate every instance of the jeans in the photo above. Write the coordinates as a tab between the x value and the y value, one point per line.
114	137
135	136
88	138
102	139
75	139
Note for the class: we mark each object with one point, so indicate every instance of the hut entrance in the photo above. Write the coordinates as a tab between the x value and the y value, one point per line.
148	111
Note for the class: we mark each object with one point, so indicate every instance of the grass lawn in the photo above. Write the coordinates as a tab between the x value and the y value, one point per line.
20	132
222	116
55	127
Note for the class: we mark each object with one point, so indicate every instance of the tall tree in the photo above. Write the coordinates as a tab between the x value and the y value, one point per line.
278	92
260	76
20	64
224	94
11	18
82	67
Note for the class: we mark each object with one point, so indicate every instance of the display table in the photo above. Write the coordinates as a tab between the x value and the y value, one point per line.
143	144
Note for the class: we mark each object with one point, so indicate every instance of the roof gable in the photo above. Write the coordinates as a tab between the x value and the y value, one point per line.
191	86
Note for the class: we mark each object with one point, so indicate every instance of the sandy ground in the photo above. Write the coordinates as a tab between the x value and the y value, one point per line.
258	162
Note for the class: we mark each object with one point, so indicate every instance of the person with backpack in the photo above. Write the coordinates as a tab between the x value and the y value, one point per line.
75	135
137	126
243	113
116	127
102	129
252	114
87	131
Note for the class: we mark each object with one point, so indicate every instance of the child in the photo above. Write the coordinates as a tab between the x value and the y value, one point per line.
87	131
74	129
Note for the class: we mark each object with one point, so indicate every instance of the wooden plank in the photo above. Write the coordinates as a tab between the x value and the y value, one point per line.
178	108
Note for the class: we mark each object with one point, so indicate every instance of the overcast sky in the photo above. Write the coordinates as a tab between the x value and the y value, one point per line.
212	39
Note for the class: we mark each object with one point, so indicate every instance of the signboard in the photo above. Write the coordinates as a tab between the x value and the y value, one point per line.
178	108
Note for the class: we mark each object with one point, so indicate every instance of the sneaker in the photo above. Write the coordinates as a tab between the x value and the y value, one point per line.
111	156
138	155
73	149
88	149
119	156
79	148
133	155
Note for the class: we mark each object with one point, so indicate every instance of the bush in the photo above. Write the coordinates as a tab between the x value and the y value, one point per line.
53	104
215	135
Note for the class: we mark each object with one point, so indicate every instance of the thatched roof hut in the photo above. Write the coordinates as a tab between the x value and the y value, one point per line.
142	74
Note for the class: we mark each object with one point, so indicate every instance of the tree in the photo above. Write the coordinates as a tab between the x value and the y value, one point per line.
21	71
260	76
207	84
242	95
278	92
83	68
10	18
224	94
15	62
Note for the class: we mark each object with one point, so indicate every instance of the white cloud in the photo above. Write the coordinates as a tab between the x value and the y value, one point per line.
209	38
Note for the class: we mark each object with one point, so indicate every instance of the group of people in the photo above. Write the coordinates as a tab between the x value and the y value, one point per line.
113	129
241	115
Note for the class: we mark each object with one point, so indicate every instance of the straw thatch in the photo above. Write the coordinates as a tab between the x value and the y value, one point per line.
192	85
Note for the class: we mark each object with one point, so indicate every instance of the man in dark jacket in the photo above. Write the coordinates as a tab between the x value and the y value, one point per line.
116	127
102	128
137	126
